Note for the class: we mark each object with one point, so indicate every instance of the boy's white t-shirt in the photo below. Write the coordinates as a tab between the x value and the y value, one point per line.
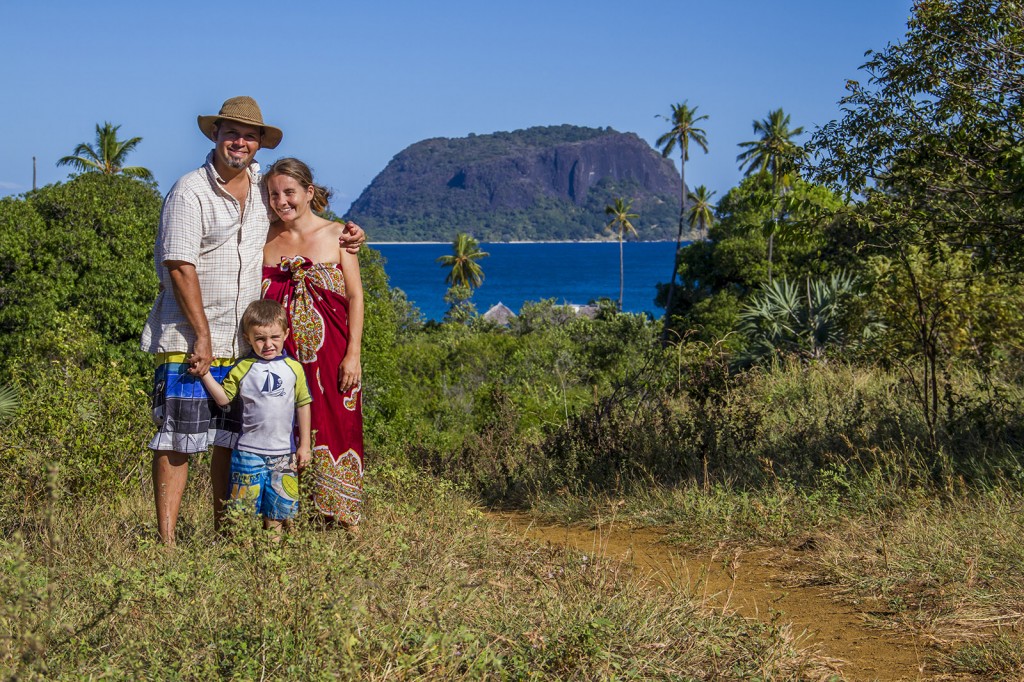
270	392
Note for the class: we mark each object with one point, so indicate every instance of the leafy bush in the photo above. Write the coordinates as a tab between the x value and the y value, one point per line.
85	248
732	264
383	313
78	433
478	401
566	409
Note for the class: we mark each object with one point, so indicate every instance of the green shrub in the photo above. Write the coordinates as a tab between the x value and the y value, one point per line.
478	401
84	247
683	416
79	433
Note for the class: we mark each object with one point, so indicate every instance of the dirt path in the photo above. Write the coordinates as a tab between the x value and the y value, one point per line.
762	583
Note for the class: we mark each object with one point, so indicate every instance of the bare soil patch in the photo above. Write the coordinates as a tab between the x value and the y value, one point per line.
773	584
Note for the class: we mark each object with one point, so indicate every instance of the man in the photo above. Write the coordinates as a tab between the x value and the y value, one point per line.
209	252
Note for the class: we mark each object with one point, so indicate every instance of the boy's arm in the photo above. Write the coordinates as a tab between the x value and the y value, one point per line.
216	391
303	453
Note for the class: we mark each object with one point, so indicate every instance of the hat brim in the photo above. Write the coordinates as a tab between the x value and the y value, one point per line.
271	136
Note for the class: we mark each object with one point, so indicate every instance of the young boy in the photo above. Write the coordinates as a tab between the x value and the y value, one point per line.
272	386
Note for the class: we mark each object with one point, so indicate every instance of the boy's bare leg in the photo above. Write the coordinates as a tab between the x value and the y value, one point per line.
170	473
276	527
220	480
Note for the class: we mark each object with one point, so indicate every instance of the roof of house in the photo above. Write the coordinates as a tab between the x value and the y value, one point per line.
499	313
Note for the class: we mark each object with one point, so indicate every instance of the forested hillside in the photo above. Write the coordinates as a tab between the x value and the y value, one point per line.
542	183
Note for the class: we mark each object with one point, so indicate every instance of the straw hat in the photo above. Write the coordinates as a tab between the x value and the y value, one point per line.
243	110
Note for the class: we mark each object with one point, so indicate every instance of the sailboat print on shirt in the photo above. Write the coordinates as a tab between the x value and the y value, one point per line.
273	385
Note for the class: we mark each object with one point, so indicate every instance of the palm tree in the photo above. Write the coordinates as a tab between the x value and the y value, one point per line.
702	211
684	130
620	224
465	271
775	154
107	156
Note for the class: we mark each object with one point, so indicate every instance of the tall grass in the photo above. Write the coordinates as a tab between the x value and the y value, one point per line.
428	591
790	422
948	568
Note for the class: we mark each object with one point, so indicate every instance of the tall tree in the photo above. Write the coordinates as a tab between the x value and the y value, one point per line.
107	156
464	270
701	214
938	125
621	225
62	246
684	130
932	142
774	153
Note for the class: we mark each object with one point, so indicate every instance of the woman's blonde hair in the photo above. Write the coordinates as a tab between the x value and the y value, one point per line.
300	173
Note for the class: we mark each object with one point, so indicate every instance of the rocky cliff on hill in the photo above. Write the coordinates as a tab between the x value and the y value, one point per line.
536	184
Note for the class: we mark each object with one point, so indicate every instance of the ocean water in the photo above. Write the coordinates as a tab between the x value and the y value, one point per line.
578	272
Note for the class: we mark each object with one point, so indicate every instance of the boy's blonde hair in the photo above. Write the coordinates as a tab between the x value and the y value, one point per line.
263	313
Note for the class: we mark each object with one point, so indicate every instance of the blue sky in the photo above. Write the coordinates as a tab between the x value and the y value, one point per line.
354	83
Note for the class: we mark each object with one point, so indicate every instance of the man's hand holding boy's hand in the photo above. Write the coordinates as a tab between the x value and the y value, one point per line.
202	356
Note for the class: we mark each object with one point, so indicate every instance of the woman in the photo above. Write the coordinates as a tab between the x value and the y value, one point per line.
319	285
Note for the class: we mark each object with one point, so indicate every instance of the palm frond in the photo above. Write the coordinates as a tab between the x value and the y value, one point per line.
137	172
806	319
9	401
80	163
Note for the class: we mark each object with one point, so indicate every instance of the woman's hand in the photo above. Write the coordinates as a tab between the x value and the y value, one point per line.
302	457
352	237
350	373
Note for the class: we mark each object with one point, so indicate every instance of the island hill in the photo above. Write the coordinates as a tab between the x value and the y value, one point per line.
543	183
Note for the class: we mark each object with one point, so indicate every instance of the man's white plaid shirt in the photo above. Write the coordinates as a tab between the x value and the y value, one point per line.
200	224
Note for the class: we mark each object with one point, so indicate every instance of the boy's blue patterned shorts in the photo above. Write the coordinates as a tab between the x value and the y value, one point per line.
268	484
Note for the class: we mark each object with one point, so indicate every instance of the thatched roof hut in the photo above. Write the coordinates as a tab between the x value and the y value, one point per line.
499	314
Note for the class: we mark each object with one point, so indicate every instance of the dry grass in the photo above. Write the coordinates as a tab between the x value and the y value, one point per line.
428	591
946	567
949	569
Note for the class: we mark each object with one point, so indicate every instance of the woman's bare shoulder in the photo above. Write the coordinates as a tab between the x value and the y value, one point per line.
332	227
323	243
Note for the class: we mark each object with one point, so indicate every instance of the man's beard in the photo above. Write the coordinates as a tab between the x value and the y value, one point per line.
237	164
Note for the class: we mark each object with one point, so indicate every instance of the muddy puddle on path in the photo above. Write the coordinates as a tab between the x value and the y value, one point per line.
759	583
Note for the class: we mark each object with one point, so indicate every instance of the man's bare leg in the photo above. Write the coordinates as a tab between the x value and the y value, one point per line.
220	480
170	473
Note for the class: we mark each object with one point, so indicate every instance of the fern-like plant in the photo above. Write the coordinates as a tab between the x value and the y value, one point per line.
803	319
9	401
